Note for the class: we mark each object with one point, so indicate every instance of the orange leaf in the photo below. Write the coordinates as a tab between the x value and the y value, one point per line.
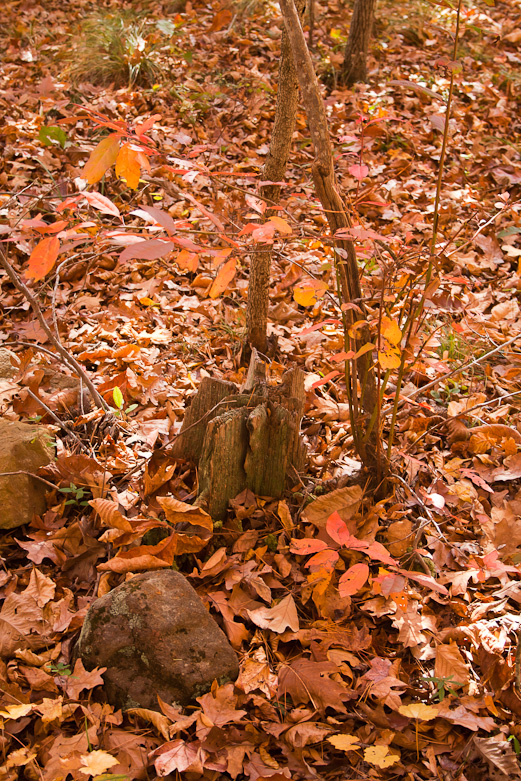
101	159
223	278
309	292
43	257
187	261
353	580
280	224
110	515
128	166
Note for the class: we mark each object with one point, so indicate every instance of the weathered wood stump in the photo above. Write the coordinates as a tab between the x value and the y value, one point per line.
244	438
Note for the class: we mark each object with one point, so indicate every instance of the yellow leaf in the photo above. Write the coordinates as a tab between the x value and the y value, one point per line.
223	278
280	224
101	159
380	756
97	762
364	349
16	711
345	742
128	166
418	710
309	292
391	331
389	359
118	397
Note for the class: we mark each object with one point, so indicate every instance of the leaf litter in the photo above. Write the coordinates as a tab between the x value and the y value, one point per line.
392	654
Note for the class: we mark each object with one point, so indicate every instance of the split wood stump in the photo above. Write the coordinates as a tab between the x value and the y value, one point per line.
244	438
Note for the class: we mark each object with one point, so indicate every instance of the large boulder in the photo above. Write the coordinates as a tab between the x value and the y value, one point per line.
23	448
155	637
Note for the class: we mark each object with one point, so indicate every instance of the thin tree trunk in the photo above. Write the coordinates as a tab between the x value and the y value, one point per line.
354	68
274	171
364	422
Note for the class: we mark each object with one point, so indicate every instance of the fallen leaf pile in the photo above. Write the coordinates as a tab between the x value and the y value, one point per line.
378	637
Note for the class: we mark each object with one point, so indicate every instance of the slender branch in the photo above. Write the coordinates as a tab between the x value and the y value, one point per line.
64	354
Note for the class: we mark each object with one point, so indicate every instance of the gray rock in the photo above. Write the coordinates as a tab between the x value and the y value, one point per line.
23	447
8	364
155	637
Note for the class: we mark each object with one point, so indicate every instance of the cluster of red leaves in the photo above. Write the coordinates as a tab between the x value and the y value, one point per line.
391	651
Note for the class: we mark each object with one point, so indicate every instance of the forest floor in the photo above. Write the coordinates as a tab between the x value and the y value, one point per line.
406	668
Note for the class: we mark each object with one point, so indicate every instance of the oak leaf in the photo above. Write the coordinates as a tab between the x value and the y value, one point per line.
277	618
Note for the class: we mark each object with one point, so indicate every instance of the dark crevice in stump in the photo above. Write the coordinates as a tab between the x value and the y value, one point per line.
247	438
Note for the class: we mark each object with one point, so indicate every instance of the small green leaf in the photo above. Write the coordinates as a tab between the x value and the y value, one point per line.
118	397
50	134
510	231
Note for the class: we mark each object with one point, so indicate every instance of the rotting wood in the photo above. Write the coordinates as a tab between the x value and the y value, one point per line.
247	438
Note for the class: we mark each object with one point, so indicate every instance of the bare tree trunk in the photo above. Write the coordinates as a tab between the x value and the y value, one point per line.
354	67
274	171
364	419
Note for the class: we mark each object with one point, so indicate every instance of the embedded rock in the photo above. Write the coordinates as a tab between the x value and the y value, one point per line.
9	363
23	448
155	637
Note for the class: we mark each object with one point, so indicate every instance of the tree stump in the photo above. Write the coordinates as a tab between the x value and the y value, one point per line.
244	438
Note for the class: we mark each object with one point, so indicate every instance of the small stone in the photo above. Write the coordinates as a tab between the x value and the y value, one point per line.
9	362
155	637
23	448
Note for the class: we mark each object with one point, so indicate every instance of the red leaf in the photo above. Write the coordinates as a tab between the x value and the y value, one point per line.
161	217
326	559
377	552
43	257
223	278
102	203
358	171
317	326
353	580
147	250
327	378
337	529
306	545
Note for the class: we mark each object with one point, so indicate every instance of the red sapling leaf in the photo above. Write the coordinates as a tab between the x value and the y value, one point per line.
43	257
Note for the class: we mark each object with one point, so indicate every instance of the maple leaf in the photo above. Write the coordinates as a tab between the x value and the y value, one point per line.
345	742
81	679
220	707
96	762
176	755
277	618
380	756
418	710
42	258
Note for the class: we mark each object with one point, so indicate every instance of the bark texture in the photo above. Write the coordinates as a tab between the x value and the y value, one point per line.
274	171
361	379
354	68
247	438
